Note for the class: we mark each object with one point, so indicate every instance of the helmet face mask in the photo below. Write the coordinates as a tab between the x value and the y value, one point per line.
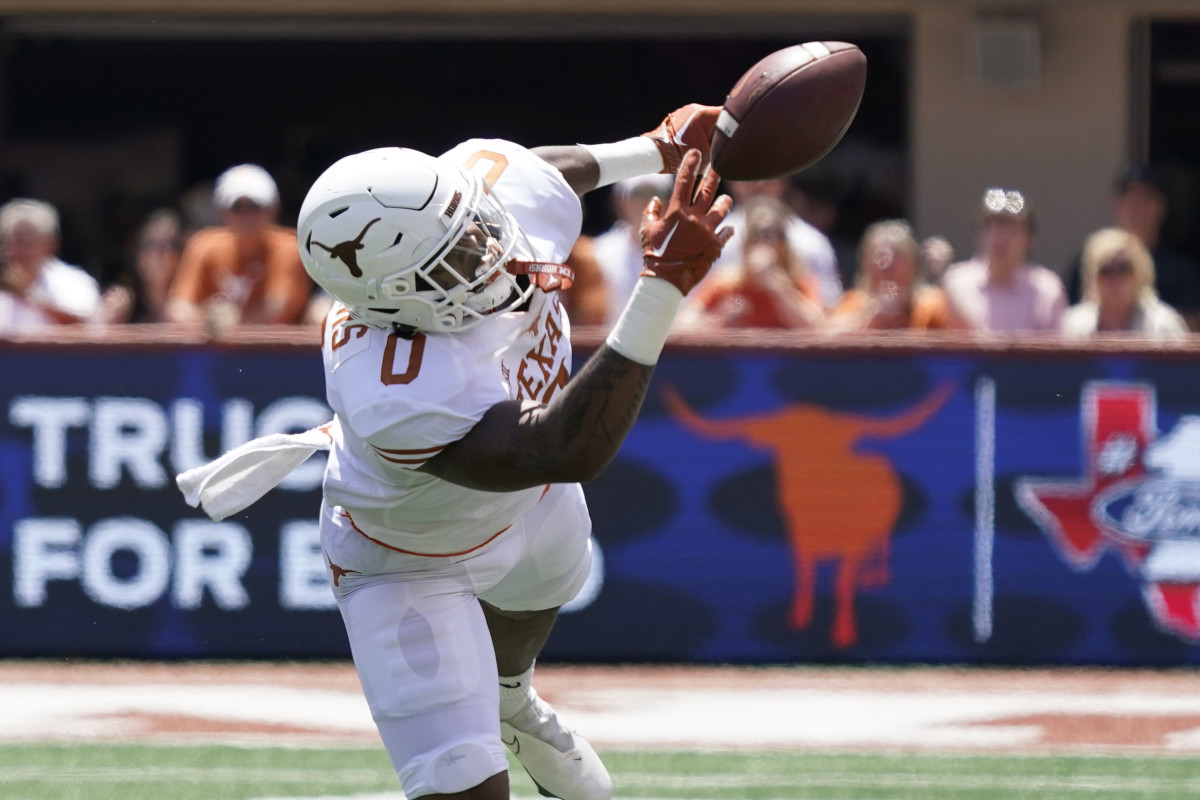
403	239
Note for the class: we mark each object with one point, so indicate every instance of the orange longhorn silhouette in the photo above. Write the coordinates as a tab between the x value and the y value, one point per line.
837	504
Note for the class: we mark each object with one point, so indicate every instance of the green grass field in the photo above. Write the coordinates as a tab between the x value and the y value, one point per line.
132	772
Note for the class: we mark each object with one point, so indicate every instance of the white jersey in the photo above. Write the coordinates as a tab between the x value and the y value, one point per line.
398	402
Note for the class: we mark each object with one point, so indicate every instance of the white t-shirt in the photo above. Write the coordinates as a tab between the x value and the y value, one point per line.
1153	318
58	285
1033	299
398	402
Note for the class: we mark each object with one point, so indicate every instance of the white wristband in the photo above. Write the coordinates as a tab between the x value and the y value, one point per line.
625	159
642	330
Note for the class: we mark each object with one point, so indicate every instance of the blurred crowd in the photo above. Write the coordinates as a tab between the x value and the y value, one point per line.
243	270
781	269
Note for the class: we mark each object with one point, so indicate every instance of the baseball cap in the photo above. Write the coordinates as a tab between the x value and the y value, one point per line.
248	181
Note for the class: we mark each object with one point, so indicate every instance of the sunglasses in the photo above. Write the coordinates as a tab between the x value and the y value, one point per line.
1117	267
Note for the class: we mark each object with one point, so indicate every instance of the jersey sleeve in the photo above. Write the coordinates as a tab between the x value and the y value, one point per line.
533	191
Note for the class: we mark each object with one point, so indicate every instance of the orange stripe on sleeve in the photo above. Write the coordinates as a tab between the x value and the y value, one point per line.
409	452
407	457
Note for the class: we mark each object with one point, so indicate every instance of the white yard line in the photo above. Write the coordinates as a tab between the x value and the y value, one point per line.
823	718
893	711
616	717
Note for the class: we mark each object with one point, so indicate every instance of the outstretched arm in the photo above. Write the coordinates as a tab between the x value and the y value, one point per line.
588	167
519	444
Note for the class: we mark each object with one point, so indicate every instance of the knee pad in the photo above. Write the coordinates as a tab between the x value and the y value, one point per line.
452	768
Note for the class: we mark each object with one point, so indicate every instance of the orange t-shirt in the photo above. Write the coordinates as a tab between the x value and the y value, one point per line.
741	305
268	283
929	309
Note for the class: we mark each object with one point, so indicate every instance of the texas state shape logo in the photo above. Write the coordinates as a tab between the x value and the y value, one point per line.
1139	497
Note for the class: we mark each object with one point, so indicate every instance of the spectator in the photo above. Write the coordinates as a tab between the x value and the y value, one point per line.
140	294
770	287
1118	291
618	250
247	270
37	289
936	255
813	246
889	291
1140	206
999	290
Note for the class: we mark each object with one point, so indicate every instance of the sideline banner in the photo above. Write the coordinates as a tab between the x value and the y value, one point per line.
772	505
99	554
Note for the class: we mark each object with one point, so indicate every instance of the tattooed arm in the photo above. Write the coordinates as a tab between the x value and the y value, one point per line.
519	444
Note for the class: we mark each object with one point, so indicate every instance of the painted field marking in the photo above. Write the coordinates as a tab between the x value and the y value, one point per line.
620	717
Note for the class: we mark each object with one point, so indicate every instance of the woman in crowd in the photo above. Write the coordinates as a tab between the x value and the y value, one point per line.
1117	280
769	287
140	294
889	291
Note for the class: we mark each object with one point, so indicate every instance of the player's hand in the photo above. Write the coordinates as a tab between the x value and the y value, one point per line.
683	129
680	243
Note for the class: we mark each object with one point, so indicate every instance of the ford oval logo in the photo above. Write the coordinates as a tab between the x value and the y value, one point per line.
1150	510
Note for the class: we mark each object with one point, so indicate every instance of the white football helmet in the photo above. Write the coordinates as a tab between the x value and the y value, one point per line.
404	239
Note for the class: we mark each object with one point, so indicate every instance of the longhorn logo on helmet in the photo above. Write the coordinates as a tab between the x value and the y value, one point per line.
347	251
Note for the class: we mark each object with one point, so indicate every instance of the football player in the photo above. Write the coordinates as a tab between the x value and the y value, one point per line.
453	522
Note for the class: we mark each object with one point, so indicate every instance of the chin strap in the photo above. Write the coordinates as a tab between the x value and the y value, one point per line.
545	275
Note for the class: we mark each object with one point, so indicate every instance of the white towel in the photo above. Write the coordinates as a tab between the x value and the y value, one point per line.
240	477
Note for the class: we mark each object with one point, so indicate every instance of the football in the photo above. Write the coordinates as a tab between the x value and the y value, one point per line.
788	110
